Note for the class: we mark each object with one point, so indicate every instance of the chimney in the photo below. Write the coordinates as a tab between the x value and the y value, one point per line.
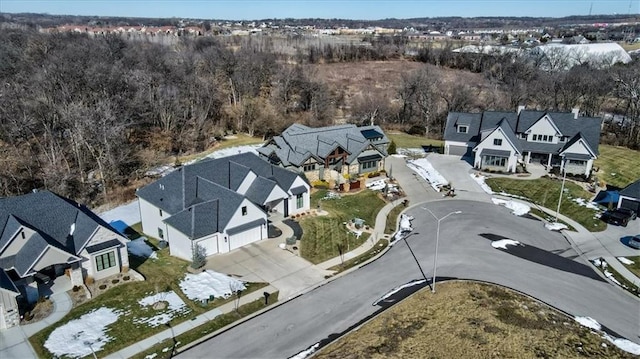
575	111
520	109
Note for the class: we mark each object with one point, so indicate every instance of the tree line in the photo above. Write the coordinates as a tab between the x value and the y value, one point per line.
87	116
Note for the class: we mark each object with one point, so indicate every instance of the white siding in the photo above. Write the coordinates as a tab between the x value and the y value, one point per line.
543	126
253	213
209	243
488	143
276	194
179	244
151	219
578	147
306	205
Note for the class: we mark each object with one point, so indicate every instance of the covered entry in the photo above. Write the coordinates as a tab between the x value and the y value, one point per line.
247	233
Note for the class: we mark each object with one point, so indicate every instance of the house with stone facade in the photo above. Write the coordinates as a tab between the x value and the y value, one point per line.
45	238
500	141
328	153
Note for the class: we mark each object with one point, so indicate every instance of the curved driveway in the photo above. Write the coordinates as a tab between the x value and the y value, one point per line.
546	268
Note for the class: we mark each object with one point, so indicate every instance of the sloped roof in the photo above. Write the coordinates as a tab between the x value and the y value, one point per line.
632	190
260	189
298	142
6	283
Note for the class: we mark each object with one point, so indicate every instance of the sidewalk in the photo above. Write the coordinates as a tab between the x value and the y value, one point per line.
584	241
185	326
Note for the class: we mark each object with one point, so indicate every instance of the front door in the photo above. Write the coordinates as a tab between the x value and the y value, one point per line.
286	207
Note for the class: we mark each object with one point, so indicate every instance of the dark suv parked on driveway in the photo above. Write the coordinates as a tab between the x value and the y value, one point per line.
620	216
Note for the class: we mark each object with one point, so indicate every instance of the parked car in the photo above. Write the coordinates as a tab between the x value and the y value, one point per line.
634	242
619	217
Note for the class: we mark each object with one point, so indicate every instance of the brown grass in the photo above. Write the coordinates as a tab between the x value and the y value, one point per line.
471	320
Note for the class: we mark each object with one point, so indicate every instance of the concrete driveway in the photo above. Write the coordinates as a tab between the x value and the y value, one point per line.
458	173
265	261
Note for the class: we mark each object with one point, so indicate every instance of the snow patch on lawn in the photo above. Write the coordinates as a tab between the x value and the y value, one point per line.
225	152
425	169
555	226
175	306
623	344
584	203
517	208
128	213
77	337
503	243
480	181
209	283
404	228
397	289
140	248
626	261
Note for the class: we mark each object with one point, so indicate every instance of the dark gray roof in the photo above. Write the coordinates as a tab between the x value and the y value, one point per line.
245	226
51	217
196	193
632	190
567	124
492	152
298	143
369	158
298	190
104	245
6	283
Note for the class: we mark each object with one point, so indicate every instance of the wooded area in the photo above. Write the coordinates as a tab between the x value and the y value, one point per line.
86	116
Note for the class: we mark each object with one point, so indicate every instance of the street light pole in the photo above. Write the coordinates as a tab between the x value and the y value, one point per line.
435	258
564	178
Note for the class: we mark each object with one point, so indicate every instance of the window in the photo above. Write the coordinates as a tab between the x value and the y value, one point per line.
299	201
160	211
494	161
463	129
244	210
309	167
497	141
105	261
369	165
160	233
577	162
543	138
535	137
22	234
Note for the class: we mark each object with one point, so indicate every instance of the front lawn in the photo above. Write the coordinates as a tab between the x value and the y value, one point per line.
392	219
162	275
618	166
324	236
635	267
545	191
404	140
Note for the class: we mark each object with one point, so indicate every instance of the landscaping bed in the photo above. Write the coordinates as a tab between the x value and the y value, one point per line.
325	236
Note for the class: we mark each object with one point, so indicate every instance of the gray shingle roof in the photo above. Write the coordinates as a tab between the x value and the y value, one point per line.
588	127
298	143
632	190
6	283
51	217
194	194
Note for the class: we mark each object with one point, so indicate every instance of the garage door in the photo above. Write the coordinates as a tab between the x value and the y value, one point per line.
460	151
630	204
246	233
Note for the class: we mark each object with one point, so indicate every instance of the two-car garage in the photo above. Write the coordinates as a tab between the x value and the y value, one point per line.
245	234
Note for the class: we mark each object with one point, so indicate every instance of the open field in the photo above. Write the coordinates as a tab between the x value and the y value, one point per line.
471	320
619	166
324	235
404	140
545	191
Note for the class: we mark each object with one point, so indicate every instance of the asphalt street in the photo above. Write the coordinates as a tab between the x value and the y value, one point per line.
546	268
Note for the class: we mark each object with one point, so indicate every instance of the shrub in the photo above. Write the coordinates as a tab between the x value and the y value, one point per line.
392	148
320	184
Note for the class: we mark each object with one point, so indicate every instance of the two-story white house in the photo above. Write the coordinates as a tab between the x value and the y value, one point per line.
220	204
498	141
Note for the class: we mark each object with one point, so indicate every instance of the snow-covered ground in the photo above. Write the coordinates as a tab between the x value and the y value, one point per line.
626	261
79	337
425	169
623	344
307	352
128	213
480	181
175	306
404	228
517	208
555	226
201	286
140	248
585	203
503	243
234	151
399	288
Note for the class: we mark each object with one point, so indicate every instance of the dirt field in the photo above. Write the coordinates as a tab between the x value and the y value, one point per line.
471	320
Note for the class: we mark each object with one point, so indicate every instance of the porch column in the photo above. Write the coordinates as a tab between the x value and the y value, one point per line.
549	161
528	157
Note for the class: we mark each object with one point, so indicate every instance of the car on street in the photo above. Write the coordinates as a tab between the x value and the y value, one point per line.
634	242
619	216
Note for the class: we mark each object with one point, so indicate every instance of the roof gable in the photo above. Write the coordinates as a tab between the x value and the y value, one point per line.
547	120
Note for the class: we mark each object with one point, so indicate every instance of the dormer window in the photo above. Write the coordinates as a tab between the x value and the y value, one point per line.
497	142
463	129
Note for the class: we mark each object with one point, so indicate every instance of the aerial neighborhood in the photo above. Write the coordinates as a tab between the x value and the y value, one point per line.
192	187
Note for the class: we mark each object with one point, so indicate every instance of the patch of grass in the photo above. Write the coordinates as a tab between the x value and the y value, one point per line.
545	191
324	235
377	248
624	283
471	320
392	219
629	47
164	349
410	141
162	274
635	267
550	218
618	166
